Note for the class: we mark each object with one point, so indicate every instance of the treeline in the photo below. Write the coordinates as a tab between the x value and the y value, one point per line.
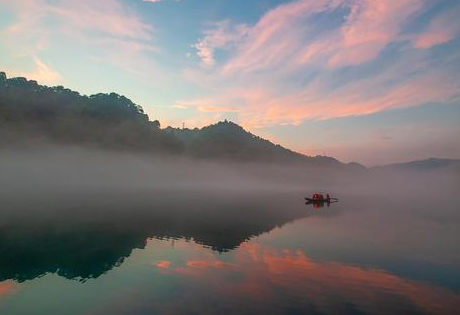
32	114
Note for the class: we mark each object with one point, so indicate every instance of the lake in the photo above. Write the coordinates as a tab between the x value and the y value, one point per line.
380	250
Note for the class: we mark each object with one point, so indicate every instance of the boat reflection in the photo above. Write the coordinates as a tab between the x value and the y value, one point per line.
317	204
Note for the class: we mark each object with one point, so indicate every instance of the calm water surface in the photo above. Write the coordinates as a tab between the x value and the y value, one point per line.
233	253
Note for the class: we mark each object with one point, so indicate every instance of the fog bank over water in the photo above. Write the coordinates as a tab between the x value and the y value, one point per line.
77	167
49	173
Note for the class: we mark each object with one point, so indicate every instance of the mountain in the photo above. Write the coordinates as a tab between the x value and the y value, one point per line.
227	140
32	114
421	165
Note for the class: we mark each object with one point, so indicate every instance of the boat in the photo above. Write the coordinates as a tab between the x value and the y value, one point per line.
319	198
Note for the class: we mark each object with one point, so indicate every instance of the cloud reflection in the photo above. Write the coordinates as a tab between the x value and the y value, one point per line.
7	287
261	274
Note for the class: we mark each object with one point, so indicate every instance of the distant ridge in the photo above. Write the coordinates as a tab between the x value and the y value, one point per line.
422	165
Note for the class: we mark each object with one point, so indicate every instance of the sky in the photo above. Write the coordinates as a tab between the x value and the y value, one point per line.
372	81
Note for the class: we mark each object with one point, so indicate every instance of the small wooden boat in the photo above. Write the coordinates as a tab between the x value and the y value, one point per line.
320	198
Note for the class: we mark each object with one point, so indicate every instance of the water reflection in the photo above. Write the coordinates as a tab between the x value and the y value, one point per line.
320	204
237	254
265	280
6	287
89	242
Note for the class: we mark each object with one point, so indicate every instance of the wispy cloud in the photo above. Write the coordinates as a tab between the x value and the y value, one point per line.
223	35
107	18
444	28
293	64
43	73
109	26
287	34
40	71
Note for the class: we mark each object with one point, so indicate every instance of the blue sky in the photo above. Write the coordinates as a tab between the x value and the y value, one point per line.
372	81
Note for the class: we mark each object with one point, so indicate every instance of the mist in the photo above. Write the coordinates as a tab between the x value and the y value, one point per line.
52	174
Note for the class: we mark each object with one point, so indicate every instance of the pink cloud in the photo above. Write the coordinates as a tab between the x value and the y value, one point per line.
352	101
276	36
257	107
371	26
261	81
442	29
218	109
286	34
206	105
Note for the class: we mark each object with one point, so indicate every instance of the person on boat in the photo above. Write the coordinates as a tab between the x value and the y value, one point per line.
318	197
328	198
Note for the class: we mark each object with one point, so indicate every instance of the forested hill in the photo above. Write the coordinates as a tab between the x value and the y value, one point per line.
227	140
32	114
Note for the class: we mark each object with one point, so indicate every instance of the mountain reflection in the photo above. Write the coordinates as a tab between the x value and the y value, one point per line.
79	242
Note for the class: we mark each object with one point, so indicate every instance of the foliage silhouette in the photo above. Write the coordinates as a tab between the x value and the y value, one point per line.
86	244
32	114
